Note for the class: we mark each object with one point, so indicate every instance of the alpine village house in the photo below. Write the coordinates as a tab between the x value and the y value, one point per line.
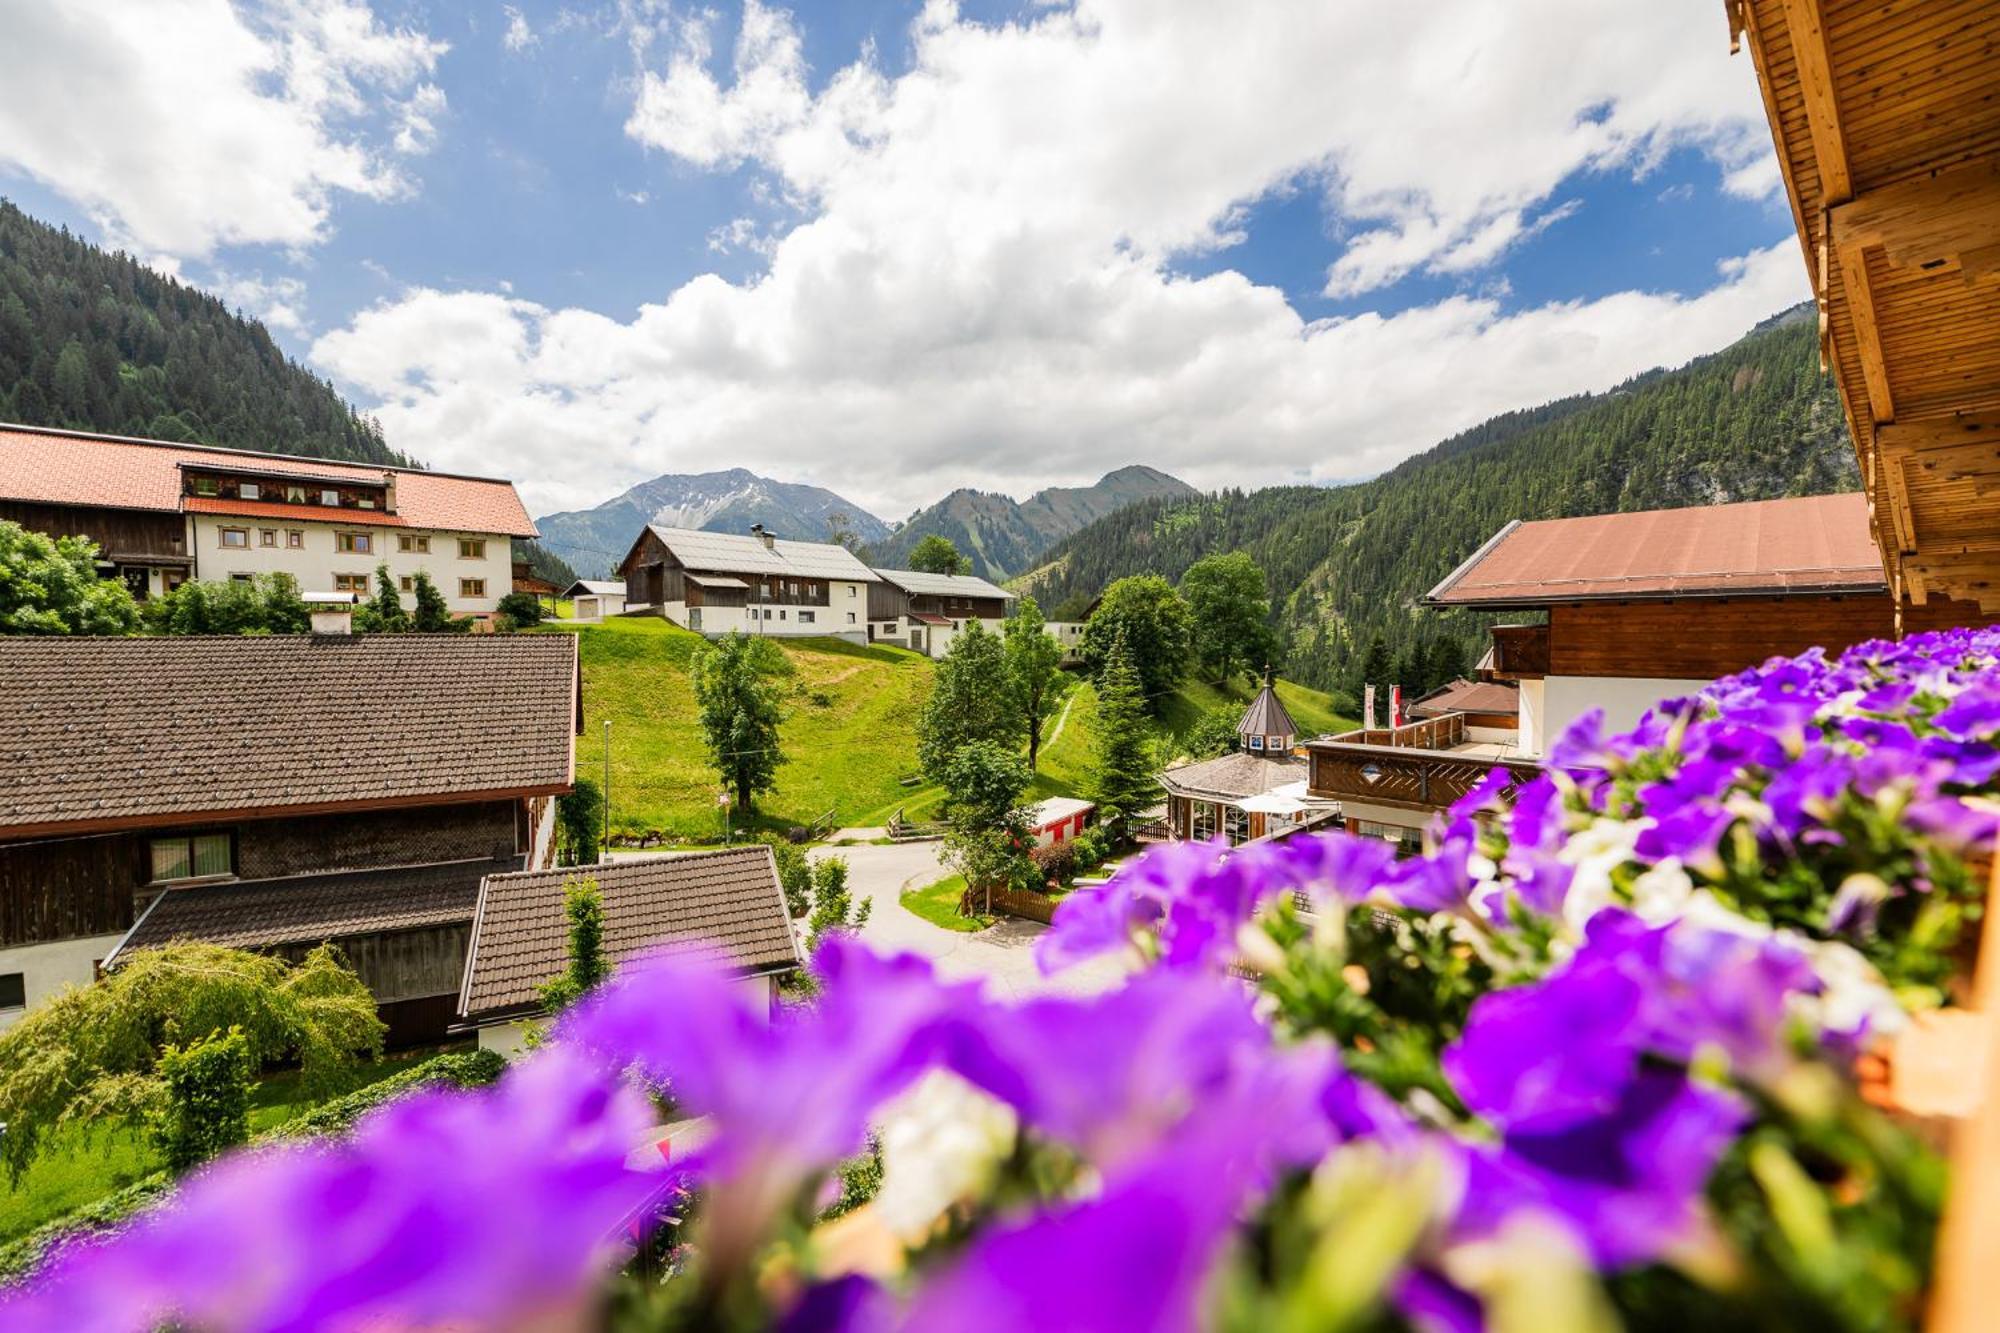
925	612
274	793
163	513
728	899
716	582
1638	608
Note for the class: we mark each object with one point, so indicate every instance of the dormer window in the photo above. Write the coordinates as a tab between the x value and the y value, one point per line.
295	495
329	498
249	490
207	486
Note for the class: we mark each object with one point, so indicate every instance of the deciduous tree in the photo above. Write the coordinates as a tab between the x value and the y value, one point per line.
1230	613
736	689
1151	618
938	554
970	701
93	1053
1034	672
988	831
49	585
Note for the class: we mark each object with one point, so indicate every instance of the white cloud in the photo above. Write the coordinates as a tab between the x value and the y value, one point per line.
979	290
279	302
181	125
519	36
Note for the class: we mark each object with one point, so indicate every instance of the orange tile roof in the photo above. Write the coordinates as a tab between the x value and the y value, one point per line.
203	504
1813	544
47	466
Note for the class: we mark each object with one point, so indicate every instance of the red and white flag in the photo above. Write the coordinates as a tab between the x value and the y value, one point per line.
1395	706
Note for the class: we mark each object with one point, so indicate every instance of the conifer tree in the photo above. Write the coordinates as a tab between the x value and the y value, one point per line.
386	613
1123	774
433	615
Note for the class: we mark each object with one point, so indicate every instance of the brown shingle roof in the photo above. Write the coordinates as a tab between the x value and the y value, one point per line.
1266	716
1814	544
173	730
311	909
1233	776
1469	696
113	472
520	936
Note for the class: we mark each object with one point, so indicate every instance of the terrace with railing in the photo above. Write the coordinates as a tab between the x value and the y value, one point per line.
1419	766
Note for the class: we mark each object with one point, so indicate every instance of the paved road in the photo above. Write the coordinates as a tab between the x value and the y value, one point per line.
1002	954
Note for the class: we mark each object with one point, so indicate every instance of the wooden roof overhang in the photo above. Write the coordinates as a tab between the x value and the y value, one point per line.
1886	115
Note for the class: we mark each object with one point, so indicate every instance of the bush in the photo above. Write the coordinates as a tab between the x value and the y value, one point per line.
1090	850
579	822
860	1180
521	609
1056	861
453	1069
208	1099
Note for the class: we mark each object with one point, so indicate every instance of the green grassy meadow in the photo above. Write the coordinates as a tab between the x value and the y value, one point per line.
938	904
849	733
82	1165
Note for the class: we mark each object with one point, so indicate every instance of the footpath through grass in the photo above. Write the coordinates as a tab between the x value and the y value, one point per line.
82	1165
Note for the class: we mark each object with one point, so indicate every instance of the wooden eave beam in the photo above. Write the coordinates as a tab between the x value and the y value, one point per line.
1942	220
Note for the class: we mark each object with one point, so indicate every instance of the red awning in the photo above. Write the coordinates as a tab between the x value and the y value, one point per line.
929	619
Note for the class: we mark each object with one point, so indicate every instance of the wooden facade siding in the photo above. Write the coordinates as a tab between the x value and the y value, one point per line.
69	888
117	532
1702	638
401	965
1520	650
271	848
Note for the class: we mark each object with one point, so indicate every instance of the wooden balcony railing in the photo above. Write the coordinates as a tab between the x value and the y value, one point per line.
1414	767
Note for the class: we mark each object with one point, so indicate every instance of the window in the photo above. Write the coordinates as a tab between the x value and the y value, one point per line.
207	486
781	614
249	490
1256	742
420	545
295	539
267	536
242	578
202	856
471	548
407	583
850	617
235	539
472	587
353	543
13	990
350	583
805	617
850	590
295	495
330	498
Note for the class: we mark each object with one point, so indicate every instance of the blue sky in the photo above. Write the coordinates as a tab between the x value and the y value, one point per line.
895	248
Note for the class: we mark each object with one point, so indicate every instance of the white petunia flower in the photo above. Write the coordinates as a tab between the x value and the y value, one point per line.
941	1141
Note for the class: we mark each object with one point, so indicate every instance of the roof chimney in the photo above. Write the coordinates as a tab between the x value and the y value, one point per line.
388	492
757	531
332	612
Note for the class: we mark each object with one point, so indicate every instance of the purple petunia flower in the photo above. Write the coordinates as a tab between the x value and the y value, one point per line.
443	1208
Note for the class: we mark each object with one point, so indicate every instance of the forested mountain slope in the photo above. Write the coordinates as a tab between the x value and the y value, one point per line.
97	341
1004	536
1754	421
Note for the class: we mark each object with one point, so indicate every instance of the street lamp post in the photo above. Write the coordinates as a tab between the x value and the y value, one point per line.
604	847
723	801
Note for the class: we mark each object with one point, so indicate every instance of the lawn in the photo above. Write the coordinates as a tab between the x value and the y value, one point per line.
938	904
80	1166
849	733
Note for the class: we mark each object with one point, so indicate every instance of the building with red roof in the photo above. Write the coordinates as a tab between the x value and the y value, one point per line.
162	513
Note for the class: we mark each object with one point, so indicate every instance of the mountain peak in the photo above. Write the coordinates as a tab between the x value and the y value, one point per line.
595	540
1005	536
